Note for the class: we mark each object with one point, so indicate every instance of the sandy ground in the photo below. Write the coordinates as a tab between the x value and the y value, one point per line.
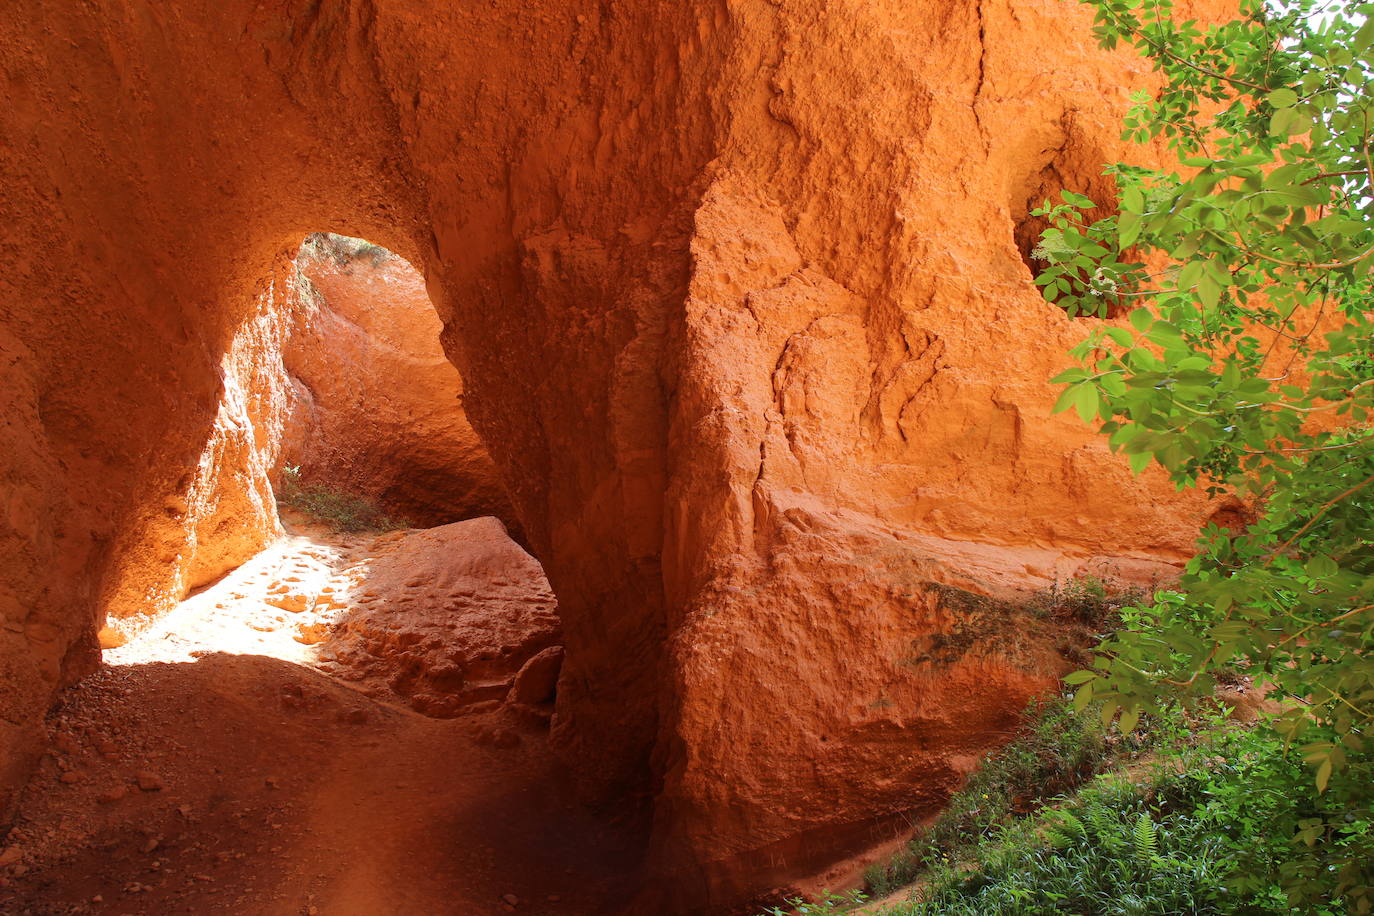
216	766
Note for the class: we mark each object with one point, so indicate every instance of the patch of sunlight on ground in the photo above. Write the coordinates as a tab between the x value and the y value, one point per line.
280	604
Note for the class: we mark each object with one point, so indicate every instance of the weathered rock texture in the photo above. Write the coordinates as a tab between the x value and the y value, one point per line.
449	620
221	510
378	408
735	291
445	618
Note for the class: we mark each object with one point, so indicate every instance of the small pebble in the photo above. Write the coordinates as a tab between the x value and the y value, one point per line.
149	781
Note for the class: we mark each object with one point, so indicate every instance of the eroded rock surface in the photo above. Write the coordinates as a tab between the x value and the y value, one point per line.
338	374
444	617
736	294
378	408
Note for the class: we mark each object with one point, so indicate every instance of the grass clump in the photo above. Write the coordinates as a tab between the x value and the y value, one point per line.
1055	752
343	512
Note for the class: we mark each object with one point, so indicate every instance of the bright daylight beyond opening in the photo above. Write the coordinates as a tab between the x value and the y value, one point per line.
363	508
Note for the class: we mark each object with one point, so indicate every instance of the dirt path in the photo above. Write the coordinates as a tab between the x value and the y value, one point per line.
238	782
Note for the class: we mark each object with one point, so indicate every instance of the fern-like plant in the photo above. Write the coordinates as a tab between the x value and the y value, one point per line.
1146	840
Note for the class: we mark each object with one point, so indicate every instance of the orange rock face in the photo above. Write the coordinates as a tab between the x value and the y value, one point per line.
337	372
221	510
446	617
736	295
378	408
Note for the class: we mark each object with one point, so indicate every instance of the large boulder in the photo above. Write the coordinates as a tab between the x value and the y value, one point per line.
446	618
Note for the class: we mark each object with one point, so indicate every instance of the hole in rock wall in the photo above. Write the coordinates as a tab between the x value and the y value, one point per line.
1071	167
387	561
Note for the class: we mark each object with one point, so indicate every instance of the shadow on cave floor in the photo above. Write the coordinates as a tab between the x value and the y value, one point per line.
250	754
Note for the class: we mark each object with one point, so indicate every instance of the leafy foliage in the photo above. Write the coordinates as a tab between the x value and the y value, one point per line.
1185	838
1247	368
1188	835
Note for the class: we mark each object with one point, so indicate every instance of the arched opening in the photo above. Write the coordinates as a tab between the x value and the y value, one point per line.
385	558
336	643
621	242
1074	166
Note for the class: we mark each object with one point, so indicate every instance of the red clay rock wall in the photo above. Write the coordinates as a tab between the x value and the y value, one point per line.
221	511
378	408
735	291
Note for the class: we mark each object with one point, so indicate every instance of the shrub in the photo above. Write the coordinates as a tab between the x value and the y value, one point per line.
342	511
342	250
1086	601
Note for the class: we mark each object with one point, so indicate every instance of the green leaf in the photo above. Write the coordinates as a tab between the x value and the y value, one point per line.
1132	202
1321	567
1208	291
1166	335
1078	200
1067	399
1083	696
1129	227
1086	401
1364	38
1283	98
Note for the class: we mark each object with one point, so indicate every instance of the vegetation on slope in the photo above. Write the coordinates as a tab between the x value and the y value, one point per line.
1158	822
341	249
1246	367
1056	752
